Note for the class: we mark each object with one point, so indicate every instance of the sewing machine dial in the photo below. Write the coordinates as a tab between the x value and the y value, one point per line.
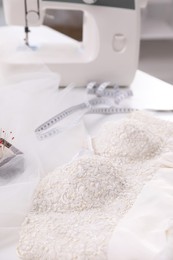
90	1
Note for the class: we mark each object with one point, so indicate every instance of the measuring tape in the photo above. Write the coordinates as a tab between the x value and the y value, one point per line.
104	97
116	93
112	110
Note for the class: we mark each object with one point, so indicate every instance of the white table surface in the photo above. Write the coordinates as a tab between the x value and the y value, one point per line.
149	93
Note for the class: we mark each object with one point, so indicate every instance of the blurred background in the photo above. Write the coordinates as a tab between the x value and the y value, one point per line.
156	53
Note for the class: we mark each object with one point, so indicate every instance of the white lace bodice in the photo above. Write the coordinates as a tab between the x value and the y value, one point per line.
76	208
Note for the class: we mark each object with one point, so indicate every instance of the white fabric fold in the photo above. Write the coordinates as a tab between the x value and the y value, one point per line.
146	232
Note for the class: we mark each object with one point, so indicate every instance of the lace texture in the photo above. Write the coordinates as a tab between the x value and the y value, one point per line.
130	140
84	184
76	208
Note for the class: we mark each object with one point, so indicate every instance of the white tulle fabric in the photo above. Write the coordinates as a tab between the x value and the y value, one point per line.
76	208
27	100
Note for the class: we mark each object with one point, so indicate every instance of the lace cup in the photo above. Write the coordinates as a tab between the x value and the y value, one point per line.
129	140
89	182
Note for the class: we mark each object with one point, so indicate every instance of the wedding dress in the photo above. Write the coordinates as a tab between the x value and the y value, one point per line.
76	208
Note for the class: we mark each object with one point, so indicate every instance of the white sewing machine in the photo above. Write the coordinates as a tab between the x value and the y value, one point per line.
109	50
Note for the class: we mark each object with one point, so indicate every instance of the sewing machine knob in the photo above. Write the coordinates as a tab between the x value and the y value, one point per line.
119	42
33	18
90	2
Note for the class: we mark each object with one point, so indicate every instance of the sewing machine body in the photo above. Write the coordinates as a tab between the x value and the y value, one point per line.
110	47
